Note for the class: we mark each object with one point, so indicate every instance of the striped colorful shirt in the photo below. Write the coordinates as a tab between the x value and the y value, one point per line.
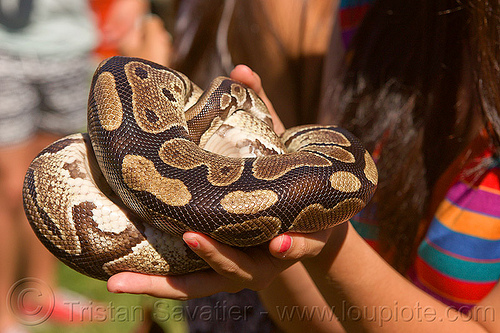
458	261
351	13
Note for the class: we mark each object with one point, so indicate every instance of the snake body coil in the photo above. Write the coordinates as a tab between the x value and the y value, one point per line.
163	157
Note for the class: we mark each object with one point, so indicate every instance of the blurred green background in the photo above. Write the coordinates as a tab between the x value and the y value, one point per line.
111	313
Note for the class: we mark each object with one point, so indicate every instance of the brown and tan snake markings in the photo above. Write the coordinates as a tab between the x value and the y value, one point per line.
316	217
335	152
253	202
162	157
172	192
275	166
249	232
370	169
155	90
344	181
109	108
185	155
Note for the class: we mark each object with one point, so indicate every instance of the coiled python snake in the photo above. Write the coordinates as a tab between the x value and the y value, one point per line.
162	157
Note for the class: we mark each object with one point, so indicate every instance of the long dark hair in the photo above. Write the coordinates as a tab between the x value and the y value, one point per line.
213	36
418	76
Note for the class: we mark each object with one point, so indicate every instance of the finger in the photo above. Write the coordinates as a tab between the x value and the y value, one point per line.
230	262
253	268
181	287
244	74
295	246
233	270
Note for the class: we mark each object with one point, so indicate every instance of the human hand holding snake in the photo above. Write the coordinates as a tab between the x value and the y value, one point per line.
324	179
232	269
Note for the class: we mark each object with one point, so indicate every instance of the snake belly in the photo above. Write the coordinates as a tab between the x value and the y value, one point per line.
162	157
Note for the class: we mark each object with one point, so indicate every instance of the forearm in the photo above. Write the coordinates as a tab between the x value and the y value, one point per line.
296	305
369	295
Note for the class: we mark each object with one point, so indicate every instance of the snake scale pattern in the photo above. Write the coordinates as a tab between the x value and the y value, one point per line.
161	157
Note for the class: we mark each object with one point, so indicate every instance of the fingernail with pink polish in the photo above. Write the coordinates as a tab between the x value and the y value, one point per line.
192	243
286	243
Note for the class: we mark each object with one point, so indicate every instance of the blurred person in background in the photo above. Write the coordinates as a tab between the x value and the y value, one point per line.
128	27
46	62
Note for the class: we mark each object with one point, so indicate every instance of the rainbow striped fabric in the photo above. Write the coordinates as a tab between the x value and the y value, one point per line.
351	13
458	262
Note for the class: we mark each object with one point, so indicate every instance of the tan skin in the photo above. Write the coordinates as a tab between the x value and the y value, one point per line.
348	273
